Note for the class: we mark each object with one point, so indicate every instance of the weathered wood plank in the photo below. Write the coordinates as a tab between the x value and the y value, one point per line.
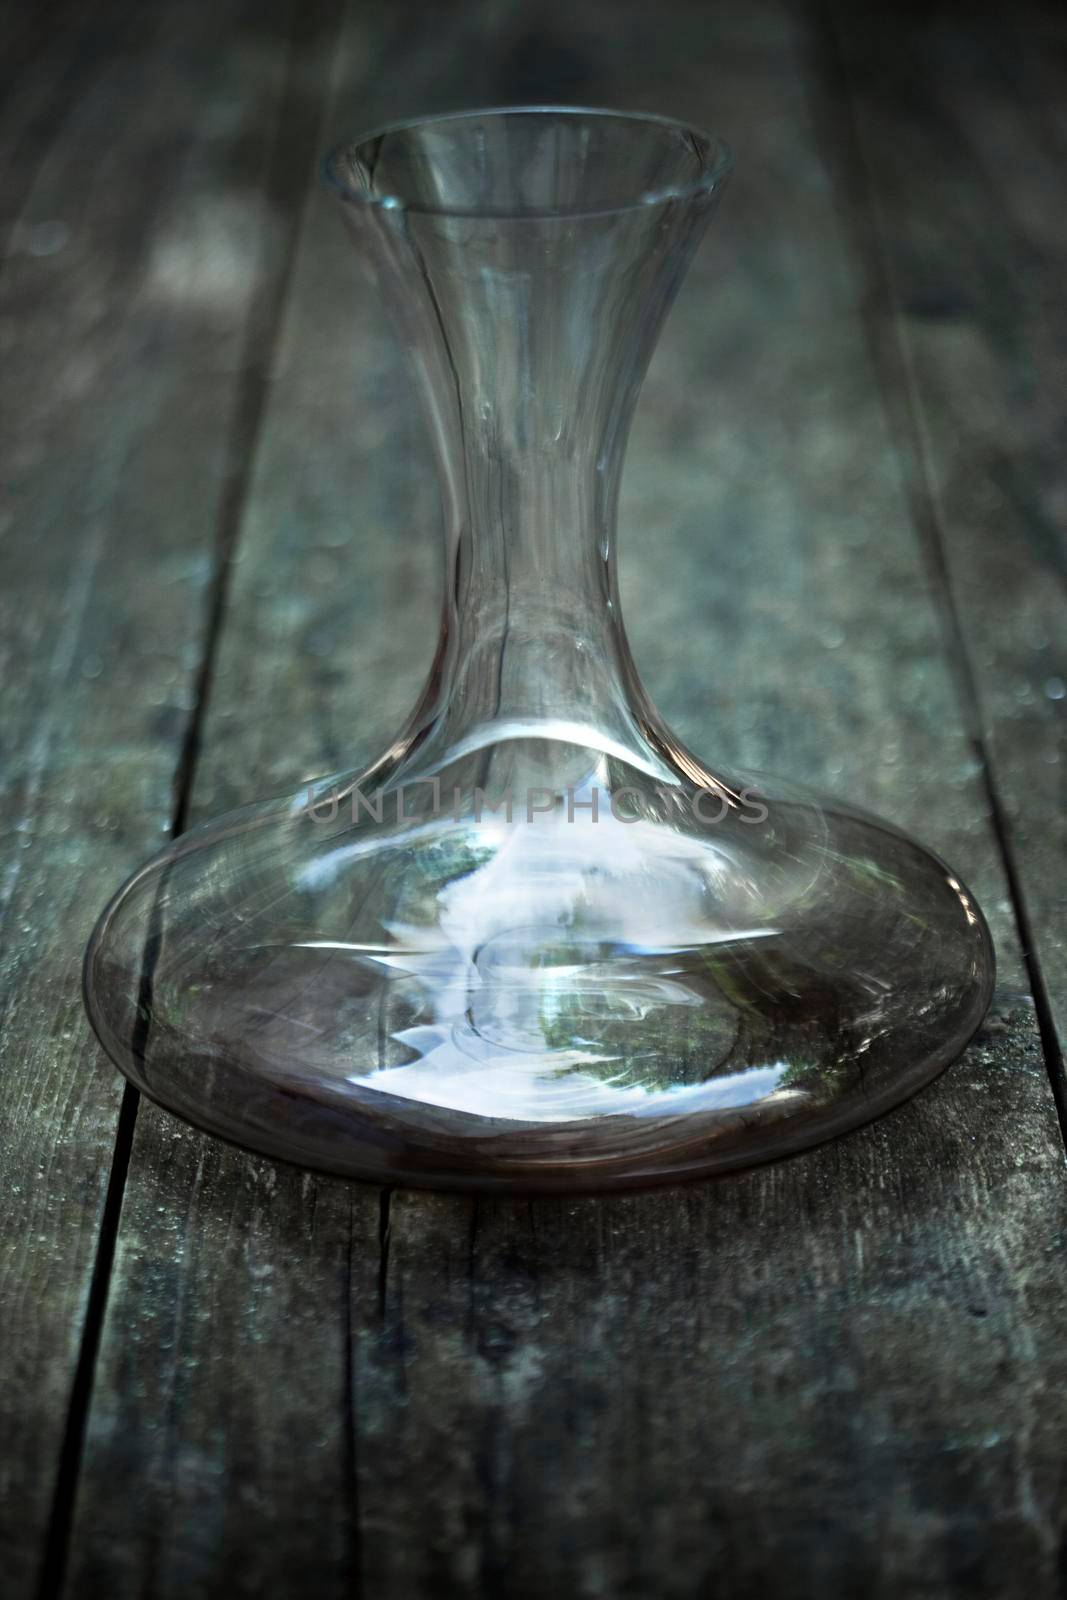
830	1376
255	1492
52	53
962	137
122	330
840	1373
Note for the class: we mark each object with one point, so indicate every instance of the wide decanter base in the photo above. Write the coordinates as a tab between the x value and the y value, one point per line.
549	1003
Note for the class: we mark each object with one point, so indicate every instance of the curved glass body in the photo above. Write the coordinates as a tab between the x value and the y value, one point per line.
538	944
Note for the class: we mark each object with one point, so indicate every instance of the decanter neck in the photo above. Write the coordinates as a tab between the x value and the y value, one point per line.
529	431
530	336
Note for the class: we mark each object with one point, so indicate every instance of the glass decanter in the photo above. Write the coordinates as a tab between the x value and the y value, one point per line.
537	944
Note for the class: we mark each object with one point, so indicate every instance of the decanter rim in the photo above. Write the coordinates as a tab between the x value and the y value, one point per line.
717	166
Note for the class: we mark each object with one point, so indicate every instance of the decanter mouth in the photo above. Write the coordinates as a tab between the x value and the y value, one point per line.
535	162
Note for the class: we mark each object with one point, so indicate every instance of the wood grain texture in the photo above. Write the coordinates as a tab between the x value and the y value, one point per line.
961	140
253	1493
837	1375
133	269
54	53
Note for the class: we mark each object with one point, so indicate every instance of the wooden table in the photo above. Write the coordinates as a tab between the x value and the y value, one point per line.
843	558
